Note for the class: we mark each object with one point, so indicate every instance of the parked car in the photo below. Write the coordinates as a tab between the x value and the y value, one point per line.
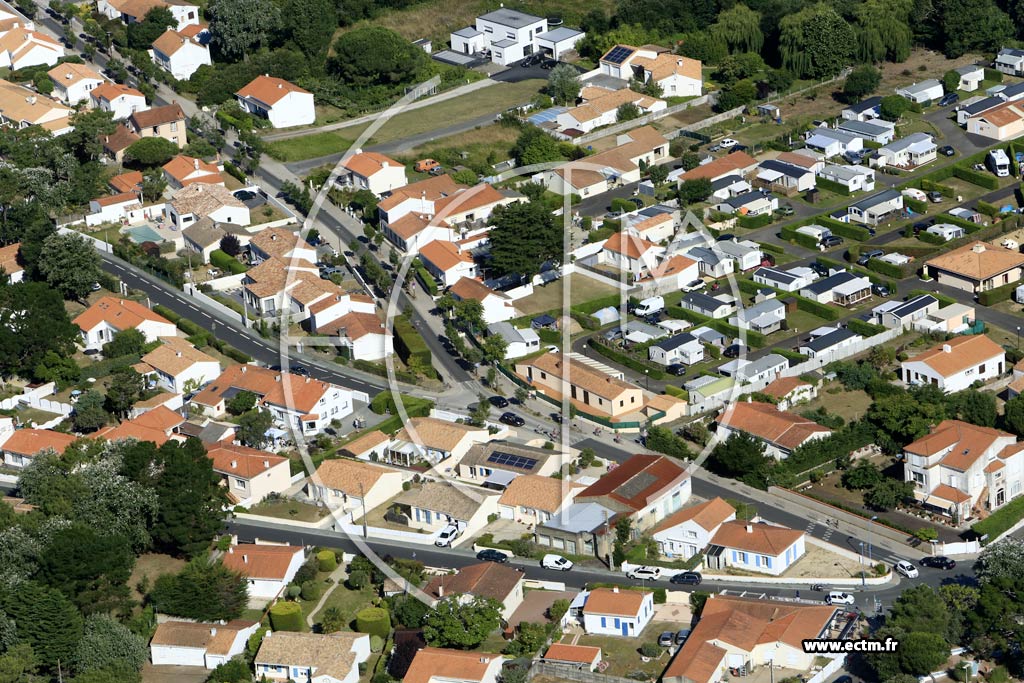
694	285
677	369
492	555
726	143
551	561
820	269
715	148
645	573
447	535
786	210
682	635
426	165
832	241
839	598
938	562
498	401
300	370
947	150
935	196
690	578
733	350
512	419
667	639
725	237
948	99
549	64
868	255
880	290
906	569
612	334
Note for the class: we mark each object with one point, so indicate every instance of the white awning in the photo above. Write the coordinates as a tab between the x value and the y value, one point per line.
500	478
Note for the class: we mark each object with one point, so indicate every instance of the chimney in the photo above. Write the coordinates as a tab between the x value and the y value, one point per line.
266	464
243	369
231	550
195	163
978	248
273	236
280	86
485	660
67	76
277	378
307	380
440	591
234	464
615	589
31	99
750	528
213	631
946	348
245	559
178	354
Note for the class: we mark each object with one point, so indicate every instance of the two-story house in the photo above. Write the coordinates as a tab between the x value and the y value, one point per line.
282	103
72	82
180	54
688	531
267	569
120	100
372	171
782	432
249	475
167	122
178	366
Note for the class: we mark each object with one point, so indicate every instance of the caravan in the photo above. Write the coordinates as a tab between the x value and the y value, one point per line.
998	162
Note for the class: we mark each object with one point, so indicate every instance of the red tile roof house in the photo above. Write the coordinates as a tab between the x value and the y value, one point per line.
688	531
282	103
617	612
268	569
372	171
755	547
110	315
782	432
447	262
120	100
184	170
576	656
113	208
184	643
22	445
437	665
248	474
484	580
301	403
313	657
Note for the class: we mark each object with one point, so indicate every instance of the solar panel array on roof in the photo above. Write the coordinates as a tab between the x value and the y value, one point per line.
511	460
640	482
617	55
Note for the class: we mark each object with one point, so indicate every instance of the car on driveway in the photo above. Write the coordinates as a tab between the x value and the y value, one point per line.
947	150
733	351
949	98
498	401
677	369
682	635
694	285
667	639
906	569
645	573
558	562
726	143
447	535
786	210
832	241
938	562
689	578
868	255
880	290
839	598
819	268
492	555
512	419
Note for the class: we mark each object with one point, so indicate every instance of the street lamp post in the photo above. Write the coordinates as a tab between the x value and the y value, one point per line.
1018	337
863	574
873	518
362	499
647	383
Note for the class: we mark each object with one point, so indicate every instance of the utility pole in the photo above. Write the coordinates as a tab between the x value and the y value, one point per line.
362	499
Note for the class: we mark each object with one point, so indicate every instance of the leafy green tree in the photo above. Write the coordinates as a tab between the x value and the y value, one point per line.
738	94
740	28
739	66
203	590
564	84
494	348
694	191
86	140
951	81
667	15
975	407
8	629
689	160
310	24
409	611
241	27
46	620
90	414
242	402
126	387
658	174
861	82
107	644
863	476
888	494
154	185
972	26
55	368
1000	561
627	112
920	609
190	499
707	46
815	42
920	653
459	624
128	342
534	146
375	55
142	34
253	426
884	30
742	457
19	664
69	264
524	237
230	245
90	565
149	152
1013	415
902	418
332	620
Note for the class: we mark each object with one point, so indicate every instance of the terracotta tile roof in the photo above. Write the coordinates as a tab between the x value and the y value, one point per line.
260	561
127	182
667	64
368	164
468	288
783	386
202	199
70	73
214	638
964	352
355	325
366	442
628	245
413	224
610	100
121	139
277	388
614	602
652	222
21	40
193	30
186	170
175	356
111	91
137	9
563	652
535	492
157	116
801	160
476	197
269	90
485	580
966	443
439	434
1003	114
730	163
160	418
9	259
670	266
29	442
279	242
171	41
700	663
636	482
326	654
120	198
947	492
994	466
582	376
455	502
763	539
432	188
120	314
978	261
706	515
270	277
347	476
240	461
450	665
444	255
767	422
131	430
21	104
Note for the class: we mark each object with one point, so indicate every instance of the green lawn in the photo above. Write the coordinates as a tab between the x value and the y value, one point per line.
308	146
349	601
289	509
802	321
549	296
623	654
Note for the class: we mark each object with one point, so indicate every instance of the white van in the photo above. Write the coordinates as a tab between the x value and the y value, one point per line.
998	162
655	304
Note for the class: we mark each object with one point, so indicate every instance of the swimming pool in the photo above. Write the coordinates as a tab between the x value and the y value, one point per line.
144	233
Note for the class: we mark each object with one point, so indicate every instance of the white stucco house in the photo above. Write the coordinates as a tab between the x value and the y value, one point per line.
180	54
110	315
372	171
688	531
956	364
755	546
186	643
267	569
178	366
119	100
312	657
617	611
72	82
509	35
282	103
520	341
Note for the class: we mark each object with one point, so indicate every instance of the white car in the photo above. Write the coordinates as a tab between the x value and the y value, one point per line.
839	598
694	286
447	535
556	562
645	573
728	142
906	569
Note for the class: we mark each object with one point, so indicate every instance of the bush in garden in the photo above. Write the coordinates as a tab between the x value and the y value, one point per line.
327	560
374	620
286	616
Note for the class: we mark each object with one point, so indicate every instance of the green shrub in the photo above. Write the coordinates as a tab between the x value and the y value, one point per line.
326	561
754	222
376	643
967	174
236	355
891	269
851	232
234	171
915	205
824	311
594	305
373	620
425	278
381	370
930	238
409	344
1000	520
832	186
286	616
771	248
994	296
678	392
650	650
650	370
864	329
107	366
311	590
227	263
790	234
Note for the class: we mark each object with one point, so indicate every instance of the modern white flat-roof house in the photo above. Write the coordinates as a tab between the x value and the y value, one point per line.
510	35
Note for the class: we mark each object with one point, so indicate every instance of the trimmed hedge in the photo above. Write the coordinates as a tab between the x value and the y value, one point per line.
931	238
968	226
227	263
326	560
990	210
891	269
932	186
833	186
286	616
852	232
381	371
915	205
989	182
1000	521
678	392
754	222
790	234
771	248
234	171
864	329
650	370
811	306
994	296
409	344
426	279
373	620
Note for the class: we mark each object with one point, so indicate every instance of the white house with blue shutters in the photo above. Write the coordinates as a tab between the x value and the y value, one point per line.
755	546
617	612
